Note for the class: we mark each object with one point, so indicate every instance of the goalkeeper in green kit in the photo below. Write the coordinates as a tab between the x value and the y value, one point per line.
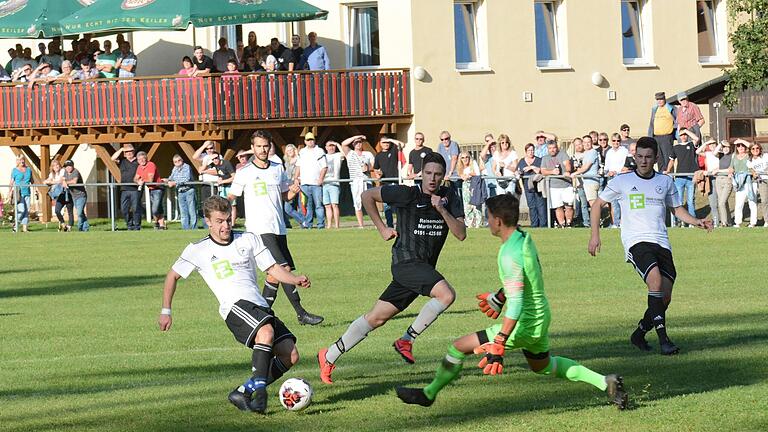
526	318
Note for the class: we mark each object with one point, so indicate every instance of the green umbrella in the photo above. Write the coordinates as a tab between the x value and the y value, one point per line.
127	15
36	18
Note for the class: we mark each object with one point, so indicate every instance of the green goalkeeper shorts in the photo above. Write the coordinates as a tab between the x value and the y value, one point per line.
534	339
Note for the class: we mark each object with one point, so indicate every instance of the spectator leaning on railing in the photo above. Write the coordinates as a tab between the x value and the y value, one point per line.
202	63
181	175
557	163
505	160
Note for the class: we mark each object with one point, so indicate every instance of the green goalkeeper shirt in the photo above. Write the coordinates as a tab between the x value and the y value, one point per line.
519	267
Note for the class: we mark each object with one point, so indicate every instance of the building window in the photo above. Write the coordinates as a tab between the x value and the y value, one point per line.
710	16
364	35
635	32
468	18
547	35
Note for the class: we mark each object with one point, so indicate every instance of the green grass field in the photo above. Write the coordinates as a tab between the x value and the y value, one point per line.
81	349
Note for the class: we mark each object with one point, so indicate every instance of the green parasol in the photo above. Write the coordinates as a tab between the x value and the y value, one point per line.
36	18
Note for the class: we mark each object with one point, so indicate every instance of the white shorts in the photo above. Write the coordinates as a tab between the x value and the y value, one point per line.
561	196
358	186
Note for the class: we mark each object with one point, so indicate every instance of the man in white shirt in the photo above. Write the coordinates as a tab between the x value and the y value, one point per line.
228	261
644	196
615	157
360	162
310	170
264	186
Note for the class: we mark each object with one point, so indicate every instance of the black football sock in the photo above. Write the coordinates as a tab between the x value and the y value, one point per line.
657	308
269	293
262	355
293	296
276	370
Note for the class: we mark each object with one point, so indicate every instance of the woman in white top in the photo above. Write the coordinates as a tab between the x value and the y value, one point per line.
468	168
758	166
331	189
505	164
60	193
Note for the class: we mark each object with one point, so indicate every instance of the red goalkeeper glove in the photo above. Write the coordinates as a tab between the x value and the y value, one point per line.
491	304
493	361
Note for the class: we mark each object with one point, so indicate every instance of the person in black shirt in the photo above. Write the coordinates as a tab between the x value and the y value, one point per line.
687	163
130	197
386	165
416	156
284	56
425	214
202	62
629	163
296	48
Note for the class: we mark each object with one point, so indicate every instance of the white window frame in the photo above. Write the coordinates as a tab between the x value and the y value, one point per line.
561	37
646	36
349	9
481	42
721	36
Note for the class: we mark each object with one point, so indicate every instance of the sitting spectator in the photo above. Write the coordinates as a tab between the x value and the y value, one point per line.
202	63
77	193
86	72
615	158
506	164
231	72
67	72
468	168
266	60
331	188
187	67
44	74
557	163
146	172
684	152
181	176
359	162
742	184
284	56
310	171
251	65
386	165
529	167
23	74
126	61
21	177
314	57
58	192
4	77
222	55
758	166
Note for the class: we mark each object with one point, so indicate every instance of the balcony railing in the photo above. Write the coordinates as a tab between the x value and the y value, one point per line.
215	98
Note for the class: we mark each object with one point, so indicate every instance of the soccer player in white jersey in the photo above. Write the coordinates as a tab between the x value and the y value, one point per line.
228	261
644	196
264	186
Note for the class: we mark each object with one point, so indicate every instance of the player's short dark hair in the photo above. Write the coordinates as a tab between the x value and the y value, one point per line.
649	143
505	207
434	157
215	203
261	133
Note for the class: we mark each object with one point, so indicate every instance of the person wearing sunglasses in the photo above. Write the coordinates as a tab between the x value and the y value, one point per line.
615	158
742	184
758	166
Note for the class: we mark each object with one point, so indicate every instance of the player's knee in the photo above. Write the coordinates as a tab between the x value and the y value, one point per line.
265	334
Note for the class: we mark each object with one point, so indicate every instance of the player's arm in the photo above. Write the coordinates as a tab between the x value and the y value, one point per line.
682	214
169	289
369	198
455	225
282	275
493	361
293	190
594	223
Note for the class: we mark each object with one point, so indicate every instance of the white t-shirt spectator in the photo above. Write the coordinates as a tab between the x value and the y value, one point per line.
760	165
207	161
311	162
334	167
510	164
355	164
615	159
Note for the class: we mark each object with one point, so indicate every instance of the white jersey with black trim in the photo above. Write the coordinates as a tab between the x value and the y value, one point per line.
262	190
228	269
643	203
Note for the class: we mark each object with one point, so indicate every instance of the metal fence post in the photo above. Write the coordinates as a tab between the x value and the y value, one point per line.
549	201
111	207
147	204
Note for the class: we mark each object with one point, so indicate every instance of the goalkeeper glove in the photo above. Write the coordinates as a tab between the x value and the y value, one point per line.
493	361
491	304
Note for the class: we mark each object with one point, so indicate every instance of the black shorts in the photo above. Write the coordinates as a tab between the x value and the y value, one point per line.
277	245
246	318
410	280
644	256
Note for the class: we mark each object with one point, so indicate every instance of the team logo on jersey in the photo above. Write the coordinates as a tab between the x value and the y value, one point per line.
135	4
636	201
659	190
242	251
260	187
634	188
223	269
10	7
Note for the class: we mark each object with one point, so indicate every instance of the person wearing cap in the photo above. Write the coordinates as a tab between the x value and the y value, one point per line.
130	198
662	127
181	175
542	140
79	197
626	140
207	149
311	168
689	115
723	183
331	187
711	166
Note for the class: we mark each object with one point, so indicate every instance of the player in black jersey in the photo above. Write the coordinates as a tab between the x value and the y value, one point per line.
425	215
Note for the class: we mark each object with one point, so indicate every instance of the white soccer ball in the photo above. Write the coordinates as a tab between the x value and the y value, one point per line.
295	394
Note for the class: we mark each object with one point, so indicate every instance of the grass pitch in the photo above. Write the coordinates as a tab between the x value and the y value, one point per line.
81	349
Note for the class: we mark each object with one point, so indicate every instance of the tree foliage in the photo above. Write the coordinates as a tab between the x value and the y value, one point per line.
750	47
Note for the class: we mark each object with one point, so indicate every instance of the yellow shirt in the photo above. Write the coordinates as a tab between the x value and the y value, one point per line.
663	123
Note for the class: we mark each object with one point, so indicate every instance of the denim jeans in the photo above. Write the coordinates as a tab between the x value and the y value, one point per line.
22	210
537	209
584	207
156	202
130	207
315	207
188	208
289	207
82	219
616	209
686	182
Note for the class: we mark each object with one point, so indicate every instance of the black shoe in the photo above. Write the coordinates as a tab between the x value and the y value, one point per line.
615	390
239	399
309	319
669	348
638	340
413	396
258	401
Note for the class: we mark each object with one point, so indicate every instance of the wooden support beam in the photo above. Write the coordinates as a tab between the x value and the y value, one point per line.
153	150
69	151
104	152
189	151
324	135
45	167
107	138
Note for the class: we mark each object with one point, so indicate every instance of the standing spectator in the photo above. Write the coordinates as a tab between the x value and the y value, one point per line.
581	208
467	169
146	172
21	176
711	166
225	174
202	63
542	141
252	46
127	61
331	188
208	174
528	167
290	206
630	164
689	115
487	163
106	61
723	182
58	192
187	67
41	48
589	169
416	156
9	65
557	163
240	53
207	149
310	170
615	158
243	158
506	165
222	55
296	48
626	140
359	162
266	60
251	65
130	197
79	197
687	163
314	57
181	176
386	165
662	127
742	184
53	57
758	165
23	74
449	150
284	56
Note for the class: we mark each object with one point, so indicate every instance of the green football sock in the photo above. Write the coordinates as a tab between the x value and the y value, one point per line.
573	371
447	371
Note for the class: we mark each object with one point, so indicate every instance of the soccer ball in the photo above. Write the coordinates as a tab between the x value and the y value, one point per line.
295	394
